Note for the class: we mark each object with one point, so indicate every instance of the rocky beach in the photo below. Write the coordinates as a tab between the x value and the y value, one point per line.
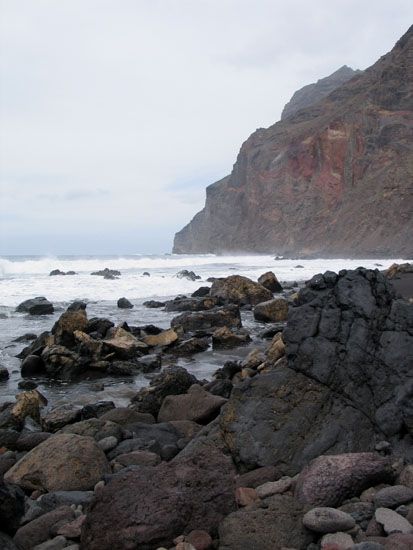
301	438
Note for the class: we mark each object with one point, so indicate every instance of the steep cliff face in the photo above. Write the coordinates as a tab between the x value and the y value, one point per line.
310	94
333	179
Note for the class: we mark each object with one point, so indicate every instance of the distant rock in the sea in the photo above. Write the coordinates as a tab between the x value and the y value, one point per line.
58	272
108	273
36	306
332	178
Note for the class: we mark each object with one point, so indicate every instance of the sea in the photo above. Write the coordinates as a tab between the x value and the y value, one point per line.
24	277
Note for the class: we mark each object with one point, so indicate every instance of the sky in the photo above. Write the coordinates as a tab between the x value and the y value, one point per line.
116	114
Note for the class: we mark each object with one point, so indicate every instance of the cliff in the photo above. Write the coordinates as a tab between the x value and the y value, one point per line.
334	178
312	93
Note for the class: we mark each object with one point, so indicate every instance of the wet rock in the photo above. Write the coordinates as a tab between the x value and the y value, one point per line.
28	403
36	306
29	336
191	346
96	410
185	274
107	273
239	290
171	381
197	405
32	365
228	371
124	303
98	326
276	349
40	529
124	416
62	462
271	311
258	477
328	520
11	507
69	322
164	338
153	304
172	501
77	305
225	338
206	320
392	521
201	292
4	374
191	304
223	388
277	526
123	343
62	363
150	362
269	281
37	346
329	480
27	385
391	497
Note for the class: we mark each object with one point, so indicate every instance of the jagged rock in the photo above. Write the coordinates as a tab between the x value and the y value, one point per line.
171	381
272	311
329	480
309	163
56	272
28	403
228	316
62	462
96	410
36	306
69	322
60	362
107	273
197	405
164	338
98	326
172	501
270	282
350	333
191	346
185	274
225	338
123	343
239	290
276	349
201	292
124	303
37	346
277	526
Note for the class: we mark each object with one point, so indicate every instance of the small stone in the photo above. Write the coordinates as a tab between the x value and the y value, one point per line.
406	476
4	374
391	497
245	496
328	520
392	521
108	443
368	495
340	541
383	446
72	530
200	540
274	487
99	485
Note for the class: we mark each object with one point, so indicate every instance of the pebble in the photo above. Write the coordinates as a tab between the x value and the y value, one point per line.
274	487
392	521
108	443
340	541
328	520
201	540
391	497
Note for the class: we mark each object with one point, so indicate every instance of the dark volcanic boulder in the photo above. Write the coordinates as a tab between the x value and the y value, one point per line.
273	527
36	306
191	304
185	274
270	281
192	492
67	324
124	303
11	506
171	381
239	290
61	362
201	292
227	316
153	304
349	333
32	365
107	273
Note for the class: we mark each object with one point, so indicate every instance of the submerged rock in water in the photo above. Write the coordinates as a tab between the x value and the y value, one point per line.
185	274
124	303
36	306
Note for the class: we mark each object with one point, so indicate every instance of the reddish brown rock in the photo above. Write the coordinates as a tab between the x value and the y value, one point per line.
329	480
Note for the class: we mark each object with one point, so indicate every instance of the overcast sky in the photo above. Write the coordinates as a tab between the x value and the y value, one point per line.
116	114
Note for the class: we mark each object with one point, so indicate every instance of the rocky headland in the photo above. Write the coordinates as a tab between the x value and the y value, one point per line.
306	443
333	178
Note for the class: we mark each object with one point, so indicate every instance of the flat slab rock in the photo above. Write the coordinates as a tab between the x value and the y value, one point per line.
328	520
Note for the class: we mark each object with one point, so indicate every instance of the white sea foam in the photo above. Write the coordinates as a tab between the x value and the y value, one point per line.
26	277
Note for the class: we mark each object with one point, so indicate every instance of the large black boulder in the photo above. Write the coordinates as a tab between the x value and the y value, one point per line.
36	306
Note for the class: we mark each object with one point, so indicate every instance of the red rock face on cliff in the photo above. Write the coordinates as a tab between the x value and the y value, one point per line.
332	179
